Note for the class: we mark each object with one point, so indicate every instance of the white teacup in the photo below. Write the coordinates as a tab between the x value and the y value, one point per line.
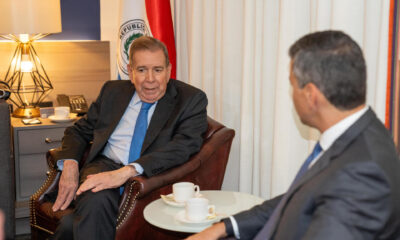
183	191
61	112
197	209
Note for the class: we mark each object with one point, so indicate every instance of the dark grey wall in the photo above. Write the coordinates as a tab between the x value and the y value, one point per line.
80	20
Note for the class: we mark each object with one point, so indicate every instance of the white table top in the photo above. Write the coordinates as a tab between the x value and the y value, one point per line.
227	203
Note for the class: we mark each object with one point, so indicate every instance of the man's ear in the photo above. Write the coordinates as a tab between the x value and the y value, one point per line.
169	69
312	94
130	71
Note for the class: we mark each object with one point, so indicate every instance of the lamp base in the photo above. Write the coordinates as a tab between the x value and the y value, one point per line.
27	112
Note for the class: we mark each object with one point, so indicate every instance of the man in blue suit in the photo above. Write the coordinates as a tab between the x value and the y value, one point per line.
349	186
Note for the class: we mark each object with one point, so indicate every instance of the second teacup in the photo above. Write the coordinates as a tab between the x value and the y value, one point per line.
197	209
183	191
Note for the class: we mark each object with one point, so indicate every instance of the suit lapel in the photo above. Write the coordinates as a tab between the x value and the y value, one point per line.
335	150
117	111
161	115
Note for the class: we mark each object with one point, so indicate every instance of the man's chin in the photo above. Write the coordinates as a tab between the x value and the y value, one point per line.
150	98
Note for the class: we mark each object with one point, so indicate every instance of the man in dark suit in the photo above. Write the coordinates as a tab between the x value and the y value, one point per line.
349	186
174	115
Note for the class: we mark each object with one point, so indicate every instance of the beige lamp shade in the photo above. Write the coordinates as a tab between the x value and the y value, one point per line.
30	16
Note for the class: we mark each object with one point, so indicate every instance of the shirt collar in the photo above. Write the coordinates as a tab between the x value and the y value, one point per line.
136	99
329	136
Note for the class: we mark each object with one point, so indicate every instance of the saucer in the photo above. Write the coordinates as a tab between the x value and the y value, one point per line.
169	199
54	118
180	216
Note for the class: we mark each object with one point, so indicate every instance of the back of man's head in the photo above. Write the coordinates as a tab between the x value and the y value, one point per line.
334	63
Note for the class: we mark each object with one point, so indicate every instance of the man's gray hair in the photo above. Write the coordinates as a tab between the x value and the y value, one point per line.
334	63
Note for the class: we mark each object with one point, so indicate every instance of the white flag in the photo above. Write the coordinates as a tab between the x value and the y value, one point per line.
144	17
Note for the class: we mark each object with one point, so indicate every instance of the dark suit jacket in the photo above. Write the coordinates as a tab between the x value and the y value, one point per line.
174	133
351	192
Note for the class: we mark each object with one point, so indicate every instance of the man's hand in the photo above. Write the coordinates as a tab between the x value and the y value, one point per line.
216	231
67	185
106	180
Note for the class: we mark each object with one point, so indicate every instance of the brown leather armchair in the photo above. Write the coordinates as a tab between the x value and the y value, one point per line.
206	169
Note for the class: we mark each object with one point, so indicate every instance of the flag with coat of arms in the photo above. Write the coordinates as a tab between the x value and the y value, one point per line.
144	17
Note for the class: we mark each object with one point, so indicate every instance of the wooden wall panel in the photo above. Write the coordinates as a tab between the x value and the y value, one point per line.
74	67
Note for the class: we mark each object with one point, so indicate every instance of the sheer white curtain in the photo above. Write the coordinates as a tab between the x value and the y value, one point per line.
236	51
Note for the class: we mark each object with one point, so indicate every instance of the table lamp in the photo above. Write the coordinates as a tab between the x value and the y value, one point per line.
25	21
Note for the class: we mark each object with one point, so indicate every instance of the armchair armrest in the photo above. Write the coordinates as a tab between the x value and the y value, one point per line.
51	182
51	157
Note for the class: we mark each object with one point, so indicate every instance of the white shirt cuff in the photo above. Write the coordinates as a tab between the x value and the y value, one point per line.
235	227
60	163
138	168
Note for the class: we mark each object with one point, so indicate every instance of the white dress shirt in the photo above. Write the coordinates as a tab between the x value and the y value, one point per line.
118	145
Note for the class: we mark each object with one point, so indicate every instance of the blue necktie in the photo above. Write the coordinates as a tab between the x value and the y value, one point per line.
139	133
267	231
317	149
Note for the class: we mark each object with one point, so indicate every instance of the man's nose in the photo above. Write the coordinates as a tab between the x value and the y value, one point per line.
150	76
